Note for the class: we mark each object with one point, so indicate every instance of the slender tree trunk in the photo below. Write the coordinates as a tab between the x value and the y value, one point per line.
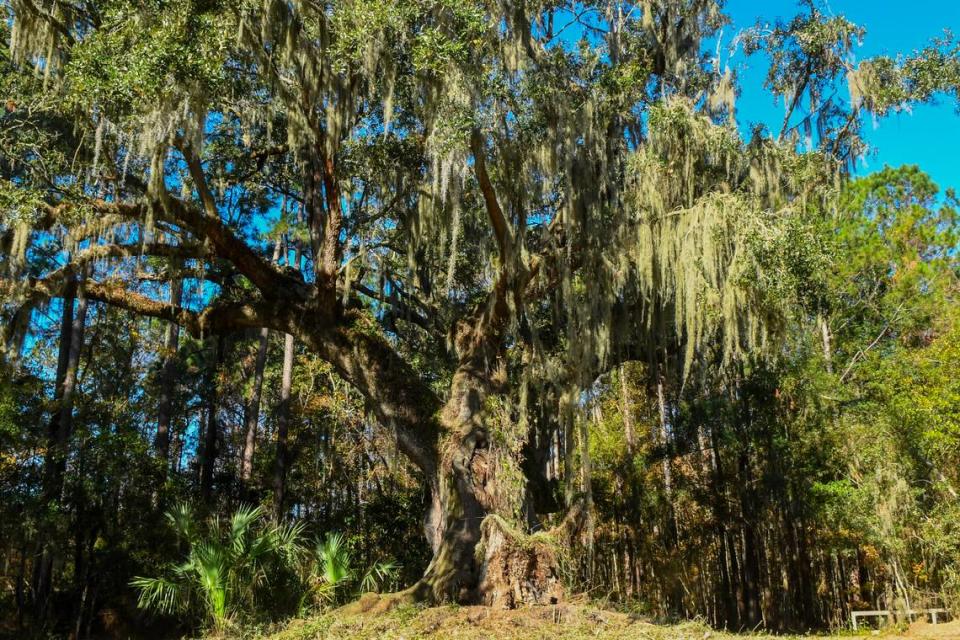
212	432
283	428
251	414
70	381
569	445
168	379
664	437
750	545
626	407
201	438
826	343
586	473
282	461
72	324
20	590
63	360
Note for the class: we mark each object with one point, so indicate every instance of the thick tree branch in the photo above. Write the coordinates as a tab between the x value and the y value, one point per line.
101	251
501	228
397	394
331	248
199	180
325	215
116	295
216	318
271	281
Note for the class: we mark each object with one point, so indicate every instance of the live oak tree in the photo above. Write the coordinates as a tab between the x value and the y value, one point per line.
477	208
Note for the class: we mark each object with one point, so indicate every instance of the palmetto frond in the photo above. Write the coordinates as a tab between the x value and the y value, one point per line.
227	565
288	538
182	519
333	560
233	564
378	575
212	572
240	524
160	594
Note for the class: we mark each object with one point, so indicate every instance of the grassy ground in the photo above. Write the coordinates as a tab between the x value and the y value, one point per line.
564	622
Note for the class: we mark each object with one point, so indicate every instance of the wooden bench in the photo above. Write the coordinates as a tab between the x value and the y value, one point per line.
889	615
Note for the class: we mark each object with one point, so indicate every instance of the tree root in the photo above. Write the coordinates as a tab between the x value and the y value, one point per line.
376	603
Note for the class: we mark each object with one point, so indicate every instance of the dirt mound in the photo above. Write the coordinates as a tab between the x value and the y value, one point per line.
559	622
565	621
927	631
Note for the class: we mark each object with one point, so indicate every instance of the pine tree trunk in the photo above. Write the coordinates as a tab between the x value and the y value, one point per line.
283	428
70	381
626	408
826	343
73	320
212	432
251	414
171	343
282	459
63	360
664	441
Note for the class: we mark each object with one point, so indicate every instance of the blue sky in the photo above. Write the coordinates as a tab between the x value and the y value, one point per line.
929	136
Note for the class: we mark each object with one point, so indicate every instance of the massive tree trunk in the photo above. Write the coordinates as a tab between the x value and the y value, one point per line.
479	557
464	495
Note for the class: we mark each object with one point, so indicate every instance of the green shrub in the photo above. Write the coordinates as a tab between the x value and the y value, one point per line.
229	566
250	568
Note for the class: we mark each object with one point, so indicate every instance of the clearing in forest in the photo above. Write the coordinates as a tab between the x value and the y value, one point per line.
562	622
